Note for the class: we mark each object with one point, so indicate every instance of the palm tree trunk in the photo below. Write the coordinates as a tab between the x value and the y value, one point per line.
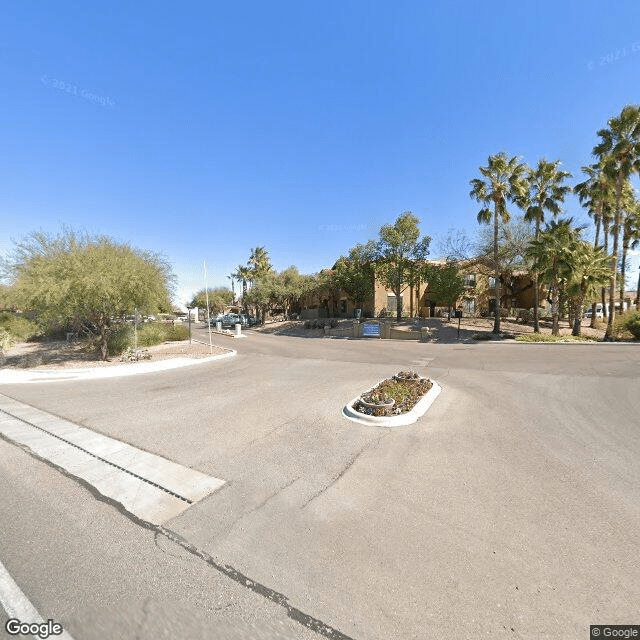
623	267
577	321
536	301
638	294
592	324
605	230
614	262
496	323
555	304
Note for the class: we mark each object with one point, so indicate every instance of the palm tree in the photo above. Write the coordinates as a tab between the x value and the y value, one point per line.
259	263
241	275
546	193
619	148
630	232
589	267
552	254
597	193
504	181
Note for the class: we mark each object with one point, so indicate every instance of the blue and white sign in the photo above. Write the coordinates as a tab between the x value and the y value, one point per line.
371	329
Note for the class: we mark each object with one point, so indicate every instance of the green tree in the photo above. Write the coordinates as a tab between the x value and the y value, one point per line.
445	281
242	275
619	150
259	267
597	194
219	298
263	294
589	270
290	285
630	234
354	273
546	193
504	181
88	282
552	255
398	248
259	263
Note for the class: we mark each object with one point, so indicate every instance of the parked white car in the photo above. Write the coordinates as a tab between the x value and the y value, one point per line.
599	314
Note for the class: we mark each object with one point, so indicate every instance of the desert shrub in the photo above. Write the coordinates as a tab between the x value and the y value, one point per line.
627	325
120	340
6	340
19	327
151	334
177	332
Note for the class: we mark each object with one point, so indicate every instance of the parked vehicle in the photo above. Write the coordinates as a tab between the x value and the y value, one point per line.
599	312
230	320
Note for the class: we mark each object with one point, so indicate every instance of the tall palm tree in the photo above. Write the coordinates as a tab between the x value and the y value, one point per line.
259	262
504	180
630	234
258	266
597	193
619	148
546	193
552	254
241	275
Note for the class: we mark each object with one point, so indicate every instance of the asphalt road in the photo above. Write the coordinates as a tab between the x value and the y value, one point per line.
511	510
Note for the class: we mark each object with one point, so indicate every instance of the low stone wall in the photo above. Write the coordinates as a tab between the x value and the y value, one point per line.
387	332
401	334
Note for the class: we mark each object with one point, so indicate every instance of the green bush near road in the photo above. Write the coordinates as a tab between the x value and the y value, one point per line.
149	335
19	327
120	339
177	332
627	326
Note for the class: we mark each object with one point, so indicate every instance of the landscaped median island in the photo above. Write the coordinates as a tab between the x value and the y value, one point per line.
396	401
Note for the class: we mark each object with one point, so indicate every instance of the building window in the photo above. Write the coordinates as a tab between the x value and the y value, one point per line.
470	280
391	303
343	305
492	282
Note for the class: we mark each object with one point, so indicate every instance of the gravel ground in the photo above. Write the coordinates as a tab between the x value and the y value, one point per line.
58	354
441	330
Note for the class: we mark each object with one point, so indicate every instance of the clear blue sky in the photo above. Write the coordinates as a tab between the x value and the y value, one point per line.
204	129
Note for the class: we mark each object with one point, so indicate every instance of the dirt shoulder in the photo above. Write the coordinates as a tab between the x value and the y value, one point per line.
58	354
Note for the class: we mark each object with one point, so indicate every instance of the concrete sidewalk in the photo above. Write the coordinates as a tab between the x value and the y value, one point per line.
129	369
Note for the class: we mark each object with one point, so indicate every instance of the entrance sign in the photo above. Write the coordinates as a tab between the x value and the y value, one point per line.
371	329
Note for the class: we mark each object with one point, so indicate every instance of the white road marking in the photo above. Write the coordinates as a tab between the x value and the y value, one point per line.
17	606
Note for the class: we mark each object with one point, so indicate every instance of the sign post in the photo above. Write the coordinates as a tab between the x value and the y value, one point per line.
459	316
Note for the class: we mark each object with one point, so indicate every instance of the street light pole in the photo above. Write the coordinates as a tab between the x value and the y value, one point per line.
189	316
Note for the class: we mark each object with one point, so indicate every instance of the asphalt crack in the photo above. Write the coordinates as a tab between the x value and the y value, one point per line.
295	614
344	469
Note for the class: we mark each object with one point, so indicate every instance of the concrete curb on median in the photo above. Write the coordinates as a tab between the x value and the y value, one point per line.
393	421
119	370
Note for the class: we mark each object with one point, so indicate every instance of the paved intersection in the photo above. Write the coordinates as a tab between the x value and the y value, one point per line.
512	505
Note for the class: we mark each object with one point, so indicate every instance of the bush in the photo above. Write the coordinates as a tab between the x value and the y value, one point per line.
177	332
19	327
627	326
120	340
151	334
6	340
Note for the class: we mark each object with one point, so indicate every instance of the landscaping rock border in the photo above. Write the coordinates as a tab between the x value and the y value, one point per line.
401	420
